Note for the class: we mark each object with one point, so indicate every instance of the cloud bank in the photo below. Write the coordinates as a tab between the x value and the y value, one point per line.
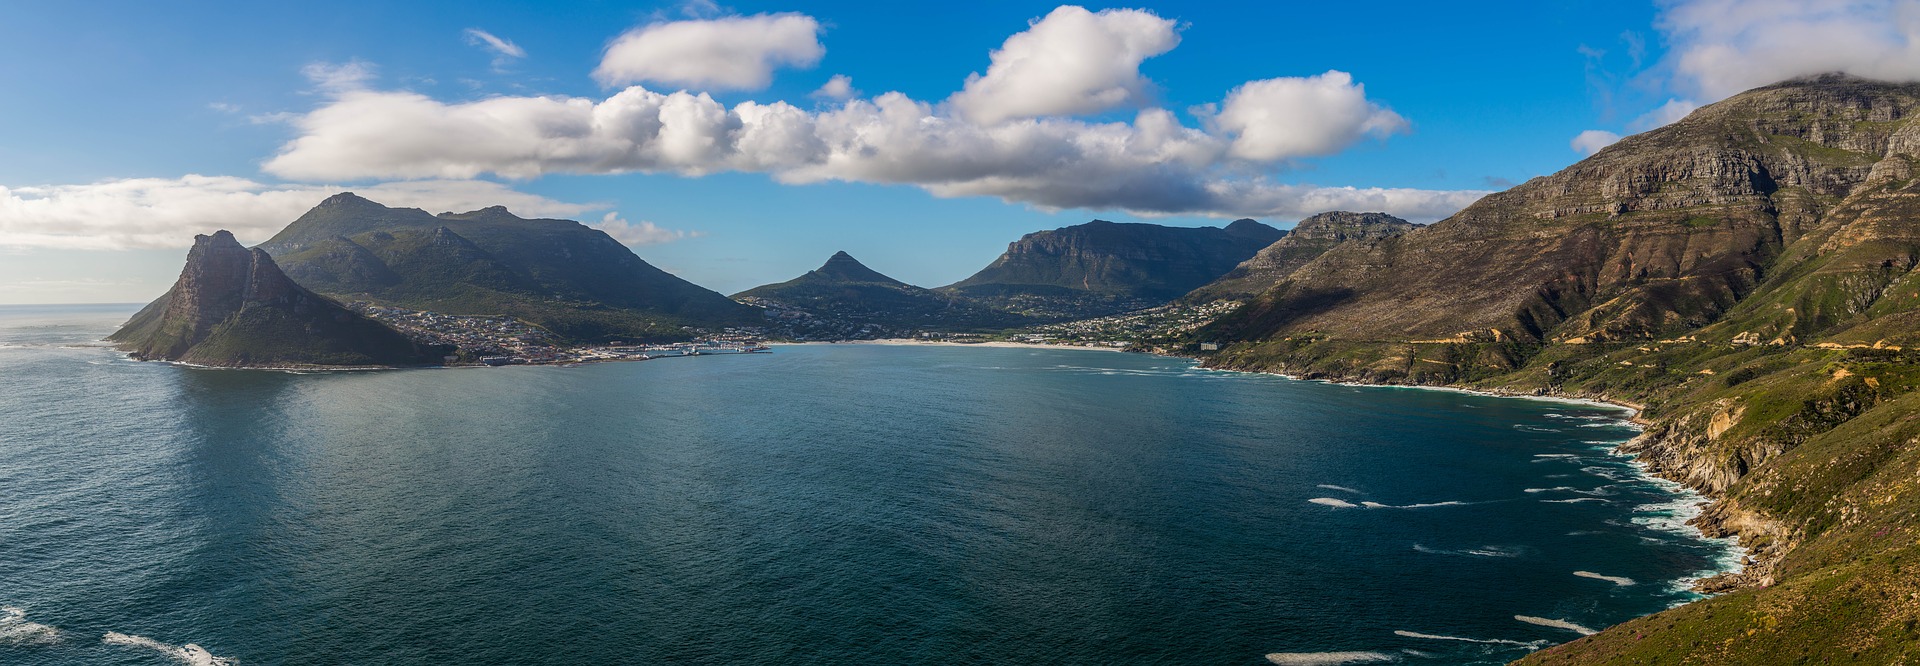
1023	132
166	212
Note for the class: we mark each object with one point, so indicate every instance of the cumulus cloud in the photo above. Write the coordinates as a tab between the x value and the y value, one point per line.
736	52
838	88
1591	141
1069	62
504	52
1278	119
641	233
1013	133
1721	47
1152	165
167	212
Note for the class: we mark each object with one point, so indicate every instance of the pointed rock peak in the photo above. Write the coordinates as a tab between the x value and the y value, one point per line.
844	268
221	238
348	199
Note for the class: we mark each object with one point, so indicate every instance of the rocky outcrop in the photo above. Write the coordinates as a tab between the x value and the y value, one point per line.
233	307
1308	239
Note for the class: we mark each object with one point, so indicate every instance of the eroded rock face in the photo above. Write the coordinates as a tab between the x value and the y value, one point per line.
1307	240
232	306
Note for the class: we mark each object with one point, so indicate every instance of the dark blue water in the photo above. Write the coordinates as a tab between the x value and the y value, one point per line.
843	504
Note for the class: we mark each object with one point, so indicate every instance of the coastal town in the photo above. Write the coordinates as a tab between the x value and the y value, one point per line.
497	340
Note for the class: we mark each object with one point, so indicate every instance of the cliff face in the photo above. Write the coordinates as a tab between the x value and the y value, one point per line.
1307	240
232	306
1103	267
567	277
1747	275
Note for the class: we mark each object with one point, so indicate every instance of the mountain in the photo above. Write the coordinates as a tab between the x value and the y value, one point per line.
232	306
1746	274
569	278
845	299
1307	240
1104	267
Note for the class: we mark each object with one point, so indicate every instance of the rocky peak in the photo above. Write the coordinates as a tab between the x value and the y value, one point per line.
842	267
1341	225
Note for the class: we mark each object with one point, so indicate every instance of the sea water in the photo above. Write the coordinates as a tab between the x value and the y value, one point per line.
823	504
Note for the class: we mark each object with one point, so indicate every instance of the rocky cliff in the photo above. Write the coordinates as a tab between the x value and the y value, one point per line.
569	278
233	307
1746	274
1104	267
1308	239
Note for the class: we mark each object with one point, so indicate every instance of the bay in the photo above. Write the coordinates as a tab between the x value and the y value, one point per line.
824	504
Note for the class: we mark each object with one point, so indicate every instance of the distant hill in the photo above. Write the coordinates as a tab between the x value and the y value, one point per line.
845	299
233	307
562	275
1307	240
1105	267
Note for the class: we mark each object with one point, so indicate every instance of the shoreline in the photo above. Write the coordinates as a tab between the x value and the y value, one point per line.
909	342
1693	504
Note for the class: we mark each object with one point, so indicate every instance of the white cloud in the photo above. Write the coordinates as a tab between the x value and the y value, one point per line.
642	233
339	77
736	52
1591	141
504	52
1664	115
1278	119
167	212
1721	47
224	107
838	88
1152	165
1070	62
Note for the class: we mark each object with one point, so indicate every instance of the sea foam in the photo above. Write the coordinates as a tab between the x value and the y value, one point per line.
1616	580
1334	502
190	654
1330	486
1327	658
1557	624
16	630
1487	641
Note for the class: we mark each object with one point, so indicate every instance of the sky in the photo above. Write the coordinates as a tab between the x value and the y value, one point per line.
743	143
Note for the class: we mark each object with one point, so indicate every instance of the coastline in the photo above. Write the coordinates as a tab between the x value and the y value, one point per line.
1695	508
909	342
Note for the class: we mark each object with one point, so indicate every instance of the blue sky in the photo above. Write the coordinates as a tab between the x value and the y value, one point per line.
110	106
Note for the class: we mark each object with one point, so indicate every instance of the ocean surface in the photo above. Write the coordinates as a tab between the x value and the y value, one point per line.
823	504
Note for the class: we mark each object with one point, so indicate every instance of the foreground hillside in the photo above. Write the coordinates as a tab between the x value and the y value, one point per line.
1747	275
566	277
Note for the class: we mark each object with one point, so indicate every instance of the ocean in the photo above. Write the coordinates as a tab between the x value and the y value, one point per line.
823	504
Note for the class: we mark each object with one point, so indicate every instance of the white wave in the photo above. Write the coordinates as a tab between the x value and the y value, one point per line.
1330	486
1529	428
1557	624
1335	503
190	654
16	630
1574	500
1616	580
1377	505
1548	490
1483	551
1487	641
1327	658
1556	455
1601	491
1603	424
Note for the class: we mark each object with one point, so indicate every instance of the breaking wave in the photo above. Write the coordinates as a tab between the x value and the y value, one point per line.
190	654
1327	658
16	630
1483	551
1557	624
1333	502
1330	486
1487	641
1616	580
